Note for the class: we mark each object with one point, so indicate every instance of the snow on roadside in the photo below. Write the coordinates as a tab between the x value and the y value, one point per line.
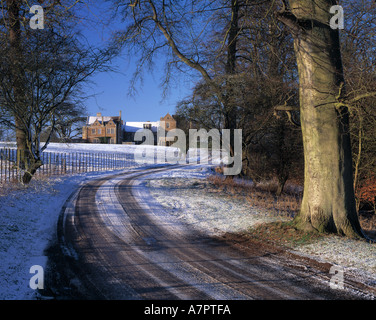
358	257
182	195
28	220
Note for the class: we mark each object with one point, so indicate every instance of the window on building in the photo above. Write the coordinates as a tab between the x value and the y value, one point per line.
92	131
147	126
99	131
167	125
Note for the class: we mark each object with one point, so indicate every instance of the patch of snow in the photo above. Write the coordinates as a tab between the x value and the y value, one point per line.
28	221
182	194
354	255
153	153
89	147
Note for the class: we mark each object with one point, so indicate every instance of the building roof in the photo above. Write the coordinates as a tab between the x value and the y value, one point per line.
92	119
134	126
167	116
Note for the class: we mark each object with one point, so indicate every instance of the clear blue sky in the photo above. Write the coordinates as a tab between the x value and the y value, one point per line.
111	89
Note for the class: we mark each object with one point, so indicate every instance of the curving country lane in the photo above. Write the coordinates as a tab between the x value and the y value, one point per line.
121	244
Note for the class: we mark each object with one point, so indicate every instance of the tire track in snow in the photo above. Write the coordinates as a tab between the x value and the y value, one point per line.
127	247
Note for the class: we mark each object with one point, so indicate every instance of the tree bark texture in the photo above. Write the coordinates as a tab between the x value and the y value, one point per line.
328	203
14	34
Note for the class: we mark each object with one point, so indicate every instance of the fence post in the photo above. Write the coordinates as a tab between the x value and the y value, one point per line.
13	164
18	171
8	158
65	163
1	165
49	170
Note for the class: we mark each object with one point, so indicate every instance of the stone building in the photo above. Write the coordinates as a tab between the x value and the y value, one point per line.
166	123
103	129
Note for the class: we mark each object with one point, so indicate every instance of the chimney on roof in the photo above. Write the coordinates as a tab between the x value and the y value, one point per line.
120	114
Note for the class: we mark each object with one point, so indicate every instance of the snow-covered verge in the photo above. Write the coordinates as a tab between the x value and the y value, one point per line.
183	195
28	221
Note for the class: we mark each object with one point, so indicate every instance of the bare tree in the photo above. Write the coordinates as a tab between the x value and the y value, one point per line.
70	118
328	202
358	52
35	93
184	29
14	23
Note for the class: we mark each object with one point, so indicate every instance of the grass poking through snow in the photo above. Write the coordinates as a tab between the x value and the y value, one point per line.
283	233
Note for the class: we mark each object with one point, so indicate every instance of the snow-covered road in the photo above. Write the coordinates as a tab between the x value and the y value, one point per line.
29	215
126	246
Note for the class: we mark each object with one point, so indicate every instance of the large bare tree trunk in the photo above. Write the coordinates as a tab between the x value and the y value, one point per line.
228	100
14	34
328	201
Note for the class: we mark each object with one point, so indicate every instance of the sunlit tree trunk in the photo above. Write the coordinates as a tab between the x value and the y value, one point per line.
328	203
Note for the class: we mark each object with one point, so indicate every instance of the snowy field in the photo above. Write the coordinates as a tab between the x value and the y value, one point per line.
29	216
83	147
73	158
142	154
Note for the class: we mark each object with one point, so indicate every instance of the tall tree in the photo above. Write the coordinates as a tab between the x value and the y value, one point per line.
184	28
41	72
13	26
359	54
328	203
